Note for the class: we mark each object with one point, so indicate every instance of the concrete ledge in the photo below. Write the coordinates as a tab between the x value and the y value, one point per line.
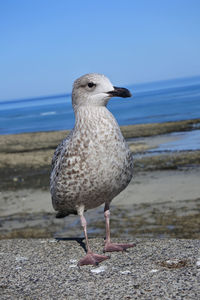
47	269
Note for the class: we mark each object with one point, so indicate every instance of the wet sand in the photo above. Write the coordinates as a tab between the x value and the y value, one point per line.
158	204
163	199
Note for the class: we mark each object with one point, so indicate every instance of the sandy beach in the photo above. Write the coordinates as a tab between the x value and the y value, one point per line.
161	201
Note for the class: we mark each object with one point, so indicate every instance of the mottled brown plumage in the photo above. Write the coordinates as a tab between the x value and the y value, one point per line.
93	164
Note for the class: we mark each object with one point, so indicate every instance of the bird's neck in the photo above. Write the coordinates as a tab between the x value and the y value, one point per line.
94	117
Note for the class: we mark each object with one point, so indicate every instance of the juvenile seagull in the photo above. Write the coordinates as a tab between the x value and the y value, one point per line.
93	164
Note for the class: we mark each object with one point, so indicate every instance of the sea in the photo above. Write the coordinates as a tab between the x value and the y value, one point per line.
153	102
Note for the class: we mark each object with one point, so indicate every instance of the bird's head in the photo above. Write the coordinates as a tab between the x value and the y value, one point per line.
95	90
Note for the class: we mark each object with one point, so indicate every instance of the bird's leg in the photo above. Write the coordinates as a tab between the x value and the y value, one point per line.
90	258
111	247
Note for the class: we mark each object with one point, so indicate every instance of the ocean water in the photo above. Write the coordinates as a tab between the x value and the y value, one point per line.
181	141
163	101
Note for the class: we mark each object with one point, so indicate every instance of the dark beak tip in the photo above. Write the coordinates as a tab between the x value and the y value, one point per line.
126	93
129	94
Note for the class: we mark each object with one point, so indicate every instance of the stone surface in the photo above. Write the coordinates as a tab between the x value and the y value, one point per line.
47	269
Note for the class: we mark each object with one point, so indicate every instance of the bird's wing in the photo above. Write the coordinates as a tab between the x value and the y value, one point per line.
57	154
58	151
55	164
61	150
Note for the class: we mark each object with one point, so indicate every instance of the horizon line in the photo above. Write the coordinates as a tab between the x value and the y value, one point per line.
61	95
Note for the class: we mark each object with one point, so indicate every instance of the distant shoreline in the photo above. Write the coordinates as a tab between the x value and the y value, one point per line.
129	131
25	159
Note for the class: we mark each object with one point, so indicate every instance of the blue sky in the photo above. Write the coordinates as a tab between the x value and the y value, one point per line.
47	44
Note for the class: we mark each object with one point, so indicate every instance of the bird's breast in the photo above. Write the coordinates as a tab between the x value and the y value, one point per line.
101	148
95	164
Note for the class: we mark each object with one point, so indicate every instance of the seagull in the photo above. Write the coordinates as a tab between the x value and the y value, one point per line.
93	164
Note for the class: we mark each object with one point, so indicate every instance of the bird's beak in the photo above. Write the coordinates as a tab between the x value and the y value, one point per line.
120	92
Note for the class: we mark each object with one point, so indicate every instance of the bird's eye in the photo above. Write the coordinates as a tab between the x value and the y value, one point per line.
91	84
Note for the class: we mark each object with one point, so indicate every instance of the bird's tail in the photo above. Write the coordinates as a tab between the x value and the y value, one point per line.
62	214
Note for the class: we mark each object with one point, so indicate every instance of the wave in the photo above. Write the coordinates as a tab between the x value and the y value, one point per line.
48	113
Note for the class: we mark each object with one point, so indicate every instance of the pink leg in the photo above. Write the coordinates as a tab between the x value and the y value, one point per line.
90	258
111	247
